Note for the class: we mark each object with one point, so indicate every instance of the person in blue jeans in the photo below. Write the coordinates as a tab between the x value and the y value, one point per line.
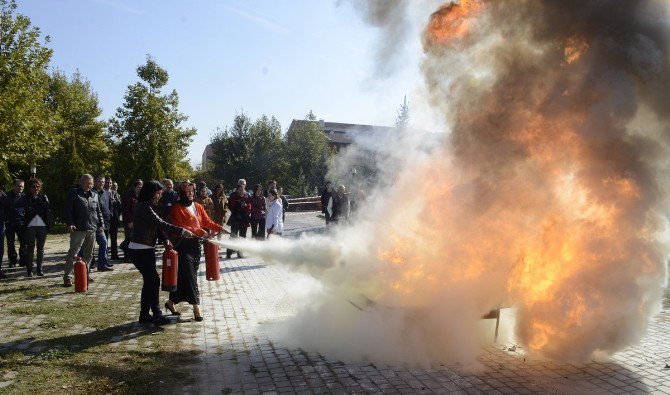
105	198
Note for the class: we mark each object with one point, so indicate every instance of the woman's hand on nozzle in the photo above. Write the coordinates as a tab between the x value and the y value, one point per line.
187	234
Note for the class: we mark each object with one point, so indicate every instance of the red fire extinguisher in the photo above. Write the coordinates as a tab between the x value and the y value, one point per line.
80	275
213	272
170	259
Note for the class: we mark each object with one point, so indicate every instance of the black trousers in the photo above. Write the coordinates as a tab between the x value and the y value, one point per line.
113	235
35	236
236	231
187	272
12	233
258	229
145	262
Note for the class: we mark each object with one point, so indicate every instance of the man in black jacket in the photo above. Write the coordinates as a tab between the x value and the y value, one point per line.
83	218
101	238
115	219
325	198
14	214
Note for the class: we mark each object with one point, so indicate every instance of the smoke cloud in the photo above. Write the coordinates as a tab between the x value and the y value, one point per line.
548	194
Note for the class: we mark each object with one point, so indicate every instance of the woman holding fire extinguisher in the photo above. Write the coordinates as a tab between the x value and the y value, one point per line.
148	226
192	216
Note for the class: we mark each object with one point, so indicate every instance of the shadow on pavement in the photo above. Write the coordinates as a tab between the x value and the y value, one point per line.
240	268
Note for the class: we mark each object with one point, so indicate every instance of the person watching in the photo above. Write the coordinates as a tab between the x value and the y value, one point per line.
274	222
115	219
83	218
14	217
36	206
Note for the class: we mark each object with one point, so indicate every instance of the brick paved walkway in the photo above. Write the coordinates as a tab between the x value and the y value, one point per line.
239	355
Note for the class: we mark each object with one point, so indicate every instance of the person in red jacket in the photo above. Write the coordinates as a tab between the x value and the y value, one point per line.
191	216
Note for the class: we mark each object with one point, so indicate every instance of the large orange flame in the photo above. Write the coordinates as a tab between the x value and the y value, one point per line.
451	22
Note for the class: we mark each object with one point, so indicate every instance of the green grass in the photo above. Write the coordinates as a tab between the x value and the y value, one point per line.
90	361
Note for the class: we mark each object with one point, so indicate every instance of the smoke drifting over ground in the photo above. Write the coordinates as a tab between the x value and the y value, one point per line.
549	194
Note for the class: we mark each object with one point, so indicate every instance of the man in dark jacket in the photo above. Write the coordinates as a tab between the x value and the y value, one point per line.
168	198
83	218
239	203
339	206
14	214
3	202
115	219
105	199
325	198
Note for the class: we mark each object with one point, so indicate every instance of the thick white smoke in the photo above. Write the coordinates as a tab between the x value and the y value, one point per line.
547	195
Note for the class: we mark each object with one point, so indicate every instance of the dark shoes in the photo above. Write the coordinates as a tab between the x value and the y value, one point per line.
39	273
169	306
156	320
2	274
29	274
197	313
67	282
105	269
240	255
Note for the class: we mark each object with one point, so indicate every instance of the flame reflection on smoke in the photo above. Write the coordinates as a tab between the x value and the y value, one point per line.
549	195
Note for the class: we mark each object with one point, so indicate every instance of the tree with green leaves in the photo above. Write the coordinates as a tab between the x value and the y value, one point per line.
150	140
402	117
307	154
84	147
27	133
250	150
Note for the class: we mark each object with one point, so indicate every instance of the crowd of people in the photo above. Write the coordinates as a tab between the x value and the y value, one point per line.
172	213
180	215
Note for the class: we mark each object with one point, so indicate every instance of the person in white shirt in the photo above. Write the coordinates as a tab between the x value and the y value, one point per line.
274	224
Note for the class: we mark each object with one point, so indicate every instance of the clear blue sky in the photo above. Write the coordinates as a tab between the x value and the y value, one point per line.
280	58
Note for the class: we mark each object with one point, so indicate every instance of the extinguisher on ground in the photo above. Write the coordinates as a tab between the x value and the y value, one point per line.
213	269
80	275
169	280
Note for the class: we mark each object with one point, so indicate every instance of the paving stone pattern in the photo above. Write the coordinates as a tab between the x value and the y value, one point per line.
238	356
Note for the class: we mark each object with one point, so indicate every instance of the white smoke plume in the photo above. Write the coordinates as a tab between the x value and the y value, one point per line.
548	195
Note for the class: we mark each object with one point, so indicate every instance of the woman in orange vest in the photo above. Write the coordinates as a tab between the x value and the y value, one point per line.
192	216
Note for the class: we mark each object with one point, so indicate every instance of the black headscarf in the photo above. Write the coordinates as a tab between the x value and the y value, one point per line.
148	190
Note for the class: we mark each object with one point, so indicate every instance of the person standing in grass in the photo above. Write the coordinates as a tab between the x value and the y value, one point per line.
14	225
148	227
115	219
83	218
36	207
